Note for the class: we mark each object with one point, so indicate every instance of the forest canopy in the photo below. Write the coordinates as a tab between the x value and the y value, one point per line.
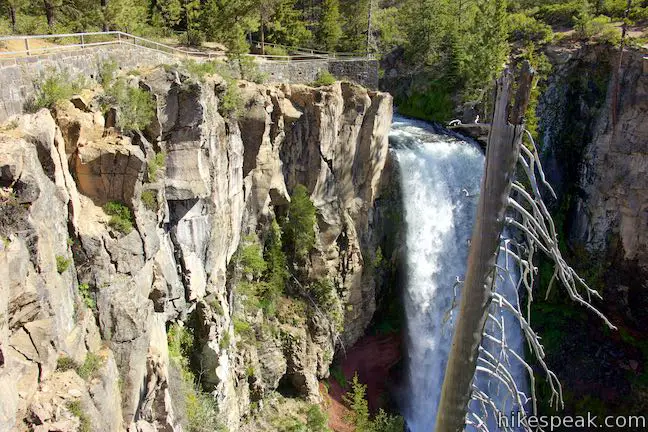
445	52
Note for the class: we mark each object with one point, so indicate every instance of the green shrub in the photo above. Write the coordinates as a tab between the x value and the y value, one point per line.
62	263
243	328
199	408
359	415
157	163
614	8
136	106
193	37
107	72
55	87
76	409
562	14
277	272
86	295
292	311
250	258
384	422
121	217
525	28
434	104
180	341
265	271
230	99
200	70
324	293
299	225
90	366
249	371
216	307
249	70
275	51
225	340
639	14
316	419
31	24
600	28
356	401
324	78
5	29
289	424
149	199
65	363
609	35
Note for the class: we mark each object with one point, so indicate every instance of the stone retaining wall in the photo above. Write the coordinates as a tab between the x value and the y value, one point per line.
17	76
363	72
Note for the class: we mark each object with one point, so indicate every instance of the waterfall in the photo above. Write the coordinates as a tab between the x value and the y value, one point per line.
440	182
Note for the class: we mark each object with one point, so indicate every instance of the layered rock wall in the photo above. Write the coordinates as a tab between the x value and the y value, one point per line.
76	285
594	118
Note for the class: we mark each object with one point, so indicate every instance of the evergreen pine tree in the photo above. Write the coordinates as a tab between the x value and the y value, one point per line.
12	8
287	26
170	11
488	48
330	29
355	15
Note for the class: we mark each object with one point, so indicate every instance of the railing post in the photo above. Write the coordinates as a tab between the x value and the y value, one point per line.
27	46
82	42
119	38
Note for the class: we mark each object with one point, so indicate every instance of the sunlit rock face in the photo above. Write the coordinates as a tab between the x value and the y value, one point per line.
75	284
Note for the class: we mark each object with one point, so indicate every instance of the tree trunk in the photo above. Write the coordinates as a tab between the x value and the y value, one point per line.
49	13
369	26
104	12
501	158
12	17
617	84
262	35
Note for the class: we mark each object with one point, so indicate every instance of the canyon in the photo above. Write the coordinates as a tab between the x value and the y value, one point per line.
91	309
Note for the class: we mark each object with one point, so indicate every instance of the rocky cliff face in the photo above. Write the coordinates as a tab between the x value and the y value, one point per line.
87	300
593	118
596	144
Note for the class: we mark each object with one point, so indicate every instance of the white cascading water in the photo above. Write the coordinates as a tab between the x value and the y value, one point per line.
440	182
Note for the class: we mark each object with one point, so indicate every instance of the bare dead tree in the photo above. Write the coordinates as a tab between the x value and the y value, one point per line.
617	85
505	202
501	157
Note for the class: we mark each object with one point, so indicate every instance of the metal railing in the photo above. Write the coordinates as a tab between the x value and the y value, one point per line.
85	40
312	51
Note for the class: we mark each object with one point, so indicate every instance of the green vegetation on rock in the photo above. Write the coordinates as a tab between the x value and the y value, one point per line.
86	295
54	87
86	370
76	409
360	417
149	199
136	106
324	78
121	217
156	164
299	225
108	72
62	263
197	409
